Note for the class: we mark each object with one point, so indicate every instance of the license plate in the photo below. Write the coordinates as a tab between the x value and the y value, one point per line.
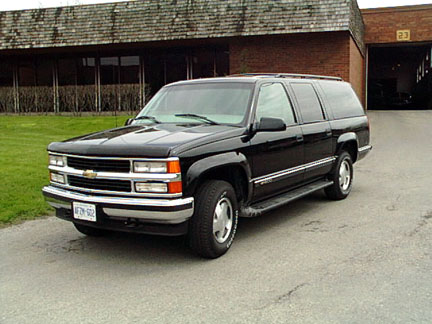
84	211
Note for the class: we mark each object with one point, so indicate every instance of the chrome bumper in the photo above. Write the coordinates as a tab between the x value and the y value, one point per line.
165	211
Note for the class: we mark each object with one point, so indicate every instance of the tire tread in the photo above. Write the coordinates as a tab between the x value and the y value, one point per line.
201	226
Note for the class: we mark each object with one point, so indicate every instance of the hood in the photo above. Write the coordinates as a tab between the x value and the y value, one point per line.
149	140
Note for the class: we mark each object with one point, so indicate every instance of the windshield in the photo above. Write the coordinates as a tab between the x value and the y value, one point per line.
216	103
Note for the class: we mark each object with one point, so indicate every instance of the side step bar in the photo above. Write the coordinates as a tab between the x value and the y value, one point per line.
262	207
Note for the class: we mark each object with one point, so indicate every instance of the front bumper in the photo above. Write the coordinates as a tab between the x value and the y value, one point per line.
162	211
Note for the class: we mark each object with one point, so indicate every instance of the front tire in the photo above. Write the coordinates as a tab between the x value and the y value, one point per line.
342	177
214	223
89	231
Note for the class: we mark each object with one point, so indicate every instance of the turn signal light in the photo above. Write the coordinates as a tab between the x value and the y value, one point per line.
175	187
173	167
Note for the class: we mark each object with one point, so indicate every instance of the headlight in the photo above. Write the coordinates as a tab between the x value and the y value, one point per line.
151	187
157	167
56	177
150	167
57	160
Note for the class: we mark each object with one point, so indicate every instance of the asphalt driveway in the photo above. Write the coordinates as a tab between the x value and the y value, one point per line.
366	259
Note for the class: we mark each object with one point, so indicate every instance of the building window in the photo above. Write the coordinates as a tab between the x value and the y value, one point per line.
176	66
86	84
154	71
27	86
76	84
35	85
45	96
67	81
7	98
131	90
120	83
109	79
222	62
91	83
204	64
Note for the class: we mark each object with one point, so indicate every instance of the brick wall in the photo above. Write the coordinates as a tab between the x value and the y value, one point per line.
357	71
382	24
315	53
332	54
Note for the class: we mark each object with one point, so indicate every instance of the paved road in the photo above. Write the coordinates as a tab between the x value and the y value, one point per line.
366	259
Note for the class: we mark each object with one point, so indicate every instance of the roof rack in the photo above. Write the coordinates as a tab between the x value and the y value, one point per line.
290	75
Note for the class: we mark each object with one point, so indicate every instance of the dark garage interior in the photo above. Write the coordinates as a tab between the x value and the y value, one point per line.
399	77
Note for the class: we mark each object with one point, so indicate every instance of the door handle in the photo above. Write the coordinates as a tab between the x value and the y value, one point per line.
299	138
328	132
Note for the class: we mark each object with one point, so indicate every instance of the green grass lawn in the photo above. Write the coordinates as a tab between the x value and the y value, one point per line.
23	158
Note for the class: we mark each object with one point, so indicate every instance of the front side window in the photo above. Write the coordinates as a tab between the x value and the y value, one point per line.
273	102
308	102
224	103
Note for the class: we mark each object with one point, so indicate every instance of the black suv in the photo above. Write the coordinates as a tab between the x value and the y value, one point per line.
204	152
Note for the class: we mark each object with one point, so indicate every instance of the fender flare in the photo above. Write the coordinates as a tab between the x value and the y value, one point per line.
345	138
207	164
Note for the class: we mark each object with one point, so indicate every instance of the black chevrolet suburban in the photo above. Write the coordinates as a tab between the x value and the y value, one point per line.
203	153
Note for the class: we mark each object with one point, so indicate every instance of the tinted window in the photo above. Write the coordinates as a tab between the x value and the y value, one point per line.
342	99
273	102
307	99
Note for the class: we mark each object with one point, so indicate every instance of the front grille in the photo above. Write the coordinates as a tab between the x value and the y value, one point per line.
99	164
100	184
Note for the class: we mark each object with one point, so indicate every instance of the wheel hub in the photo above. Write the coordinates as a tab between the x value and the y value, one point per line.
222	220
344	175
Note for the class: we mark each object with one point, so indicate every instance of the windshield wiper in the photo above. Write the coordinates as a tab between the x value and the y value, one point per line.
149	118
195	116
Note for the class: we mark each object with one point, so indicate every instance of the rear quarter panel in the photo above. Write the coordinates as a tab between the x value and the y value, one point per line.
357	125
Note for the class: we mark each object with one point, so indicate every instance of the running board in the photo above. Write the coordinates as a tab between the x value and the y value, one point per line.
272	203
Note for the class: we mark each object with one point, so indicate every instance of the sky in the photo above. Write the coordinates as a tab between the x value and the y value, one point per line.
30	4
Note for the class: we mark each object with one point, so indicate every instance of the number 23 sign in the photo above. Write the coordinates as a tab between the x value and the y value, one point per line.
403	35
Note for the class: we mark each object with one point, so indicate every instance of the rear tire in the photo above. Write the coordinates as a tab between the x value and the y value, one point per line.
89	231
214	223
342	177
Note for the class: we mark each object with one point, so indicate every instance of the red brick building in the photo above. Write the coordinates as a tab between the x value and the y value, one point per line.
399	50
114	56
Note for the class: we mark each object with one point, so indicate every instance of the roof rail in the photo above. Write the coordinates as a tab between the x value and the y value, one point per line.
290	75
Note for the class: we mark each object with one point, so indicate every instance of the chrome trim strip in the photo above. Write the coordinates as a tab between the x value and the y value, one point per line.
364	148
118	200
319	163
290	171
278	174
117	158
118	193
168	177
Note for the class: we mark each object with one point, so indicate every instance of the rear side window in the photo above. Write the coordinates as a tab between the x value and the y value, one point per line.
308	101
342	99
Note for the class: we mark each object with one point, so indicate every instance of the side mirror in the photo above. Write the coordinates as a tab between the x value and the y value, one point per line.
267	124
128	121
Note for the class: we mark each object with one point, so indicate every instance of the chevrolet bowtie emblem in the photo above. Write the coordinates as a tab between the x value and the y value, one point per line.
89	174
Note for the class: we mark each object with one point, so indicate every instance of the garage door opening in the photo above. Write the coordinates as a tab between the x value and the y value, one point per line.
400	77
